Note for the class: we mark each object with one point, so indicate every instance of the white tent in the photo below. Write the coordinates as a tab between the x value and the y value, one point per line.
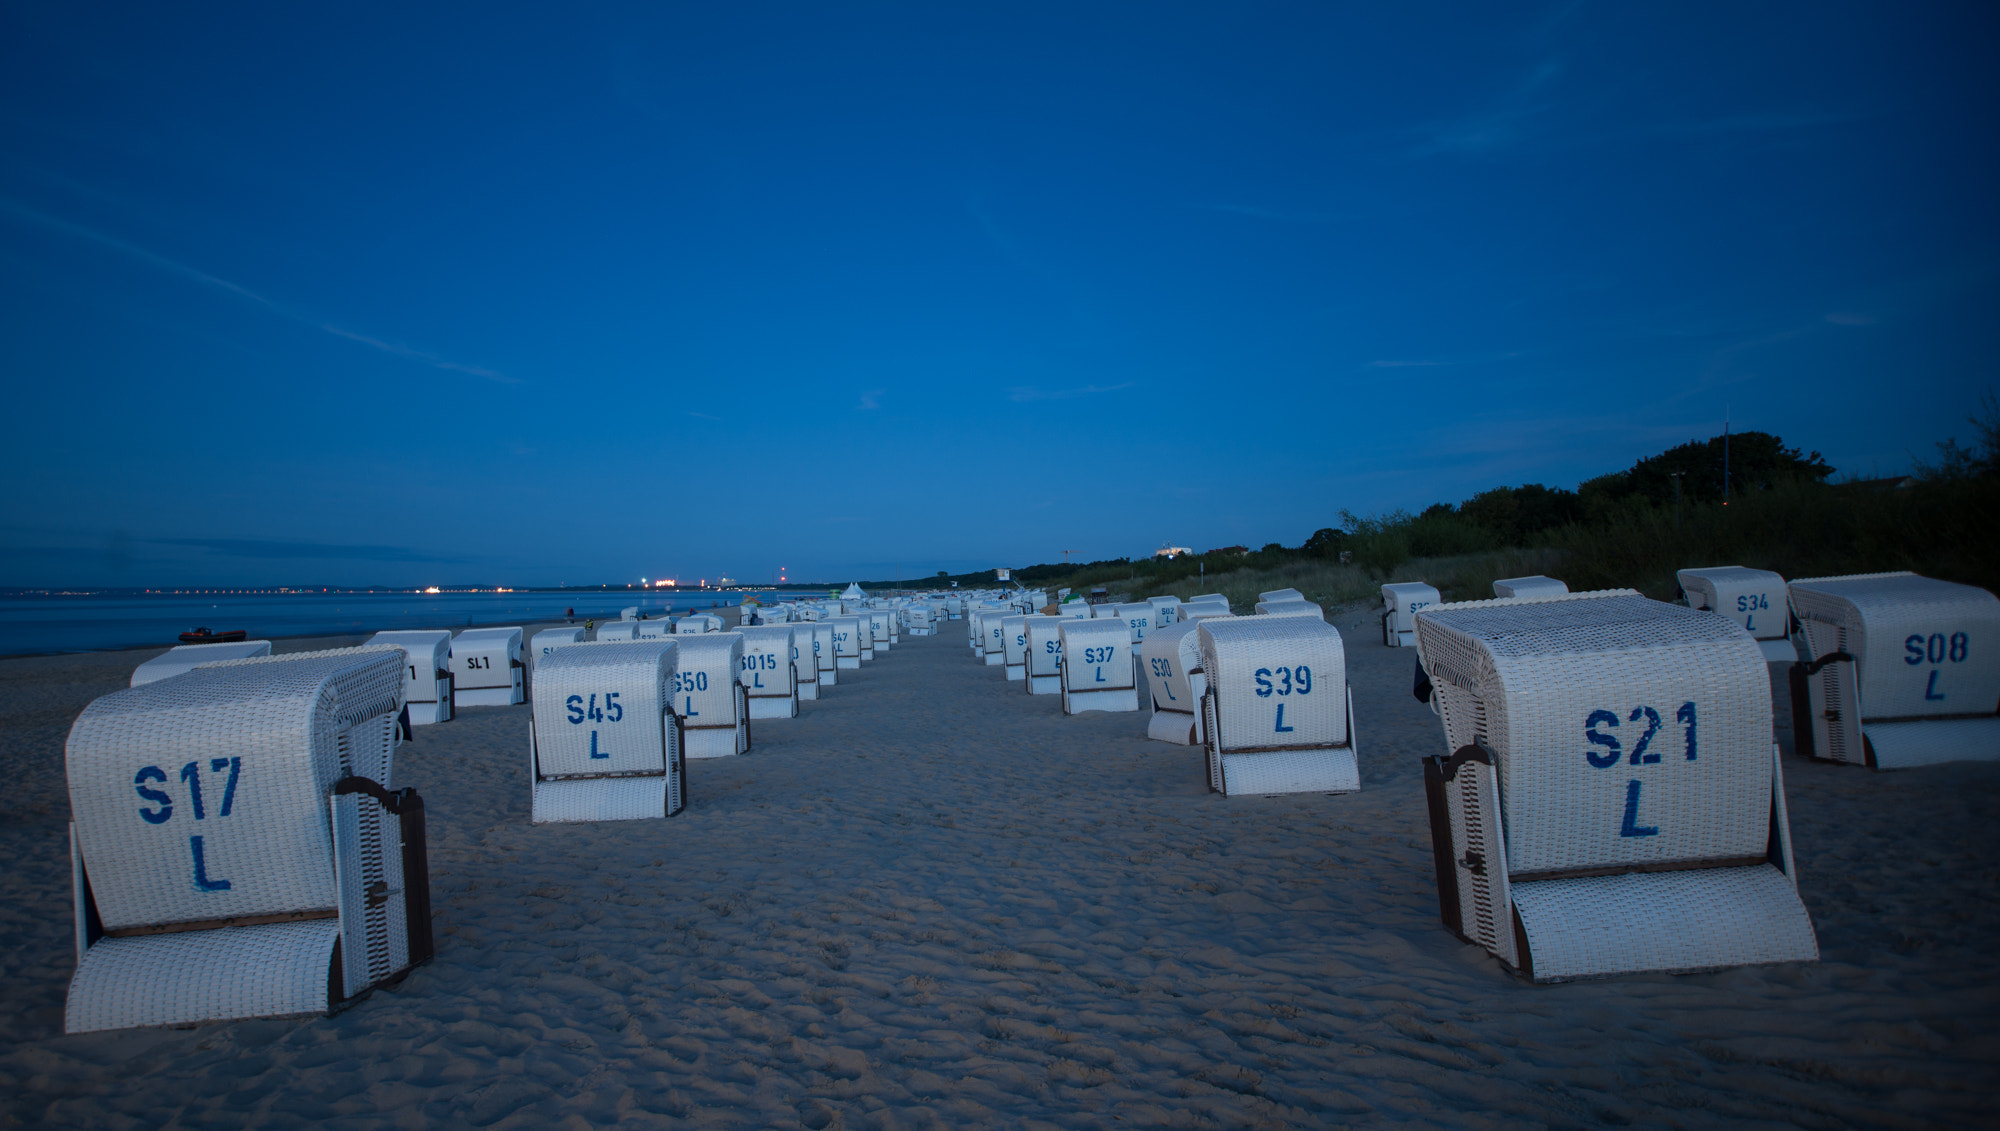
853	593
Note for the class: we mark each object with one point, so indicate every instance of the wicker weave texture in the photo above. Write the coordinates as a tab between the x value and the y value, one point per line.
600	799
1014	643
617	630
1921	646
550	639
368	856
1139	618
1290	771
275	970
487	659
179	659
1402	599
1166	610
201	797
1097	654
765	669
1276	681
1627	731
1280	595
705	685
1165	657
600	709
1702	919
428	653
1290	609
1753	598
846	632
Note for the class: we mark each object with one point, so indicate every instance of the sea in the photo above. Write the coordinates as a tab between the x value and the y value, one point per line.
43	622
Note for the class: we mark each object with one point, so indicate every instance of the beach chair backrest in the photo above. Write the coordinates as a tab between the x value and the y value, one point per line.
427	666
765	669
1277	682
1097	654
705	678
1139	618
1753	598
618	630
1402	599
1014	639
1166	610
1922	647
1625	732
205	797
846	636
600	711
550	639
1166	656
1281	595
1044	645
485	658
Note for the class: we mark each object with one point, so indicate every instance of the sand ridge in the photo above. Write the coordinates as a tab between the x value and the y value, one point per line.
931	900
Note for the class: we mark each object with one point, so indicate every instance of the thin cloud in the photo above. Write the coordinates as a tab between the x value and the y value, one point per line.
1512	119
872	399
1031	393
1852	319
1758	123
1389	364
173	267
700	415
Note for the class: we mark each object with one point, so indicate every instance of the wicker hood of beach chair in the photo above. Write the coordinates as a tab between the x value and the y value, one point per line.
1400	602
236	849
1534	585
1611	801
1097	670
182	657
765	671
1171	660
604	743
1757	599
713	704
427	680
487	669
1277	714
1900	670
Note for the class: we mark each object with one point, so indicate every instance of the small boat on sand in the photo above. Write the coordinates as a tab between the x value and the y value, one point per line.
205	636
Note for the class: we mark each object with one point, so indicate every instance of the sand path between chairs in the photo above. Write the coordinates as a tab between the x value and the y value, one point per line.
931	900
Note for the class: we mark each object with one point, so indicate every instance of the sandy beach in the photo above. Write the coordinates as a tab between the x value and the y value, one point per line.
933	901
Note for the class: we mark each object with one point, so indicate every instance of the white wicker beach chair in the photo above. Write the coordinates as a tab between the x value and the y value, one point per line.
654	629
1097	670
847	640
1901	670
1075	610
710	697
881	629
1171	657
426	671
604	739
1166	610
923	620
994	636
550	639
1290	609
697	623
1277	715
1014	646
1613	802
610	630
1280	595
1400	602
1534	585
1044	654
178	659
823	652
1753	598
1110	609
805	663
487	669
766	672
235	848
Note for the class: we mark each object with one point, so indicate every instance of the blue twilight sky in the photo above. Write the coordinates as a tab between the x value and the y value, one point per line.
584	293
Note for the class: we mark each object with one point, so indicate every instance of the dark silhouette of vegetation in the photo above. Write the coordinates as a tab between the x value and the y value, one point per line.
1624	530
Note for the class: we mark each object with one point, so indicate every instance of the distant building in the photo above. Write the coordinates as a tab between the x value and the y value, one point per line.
1171	552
